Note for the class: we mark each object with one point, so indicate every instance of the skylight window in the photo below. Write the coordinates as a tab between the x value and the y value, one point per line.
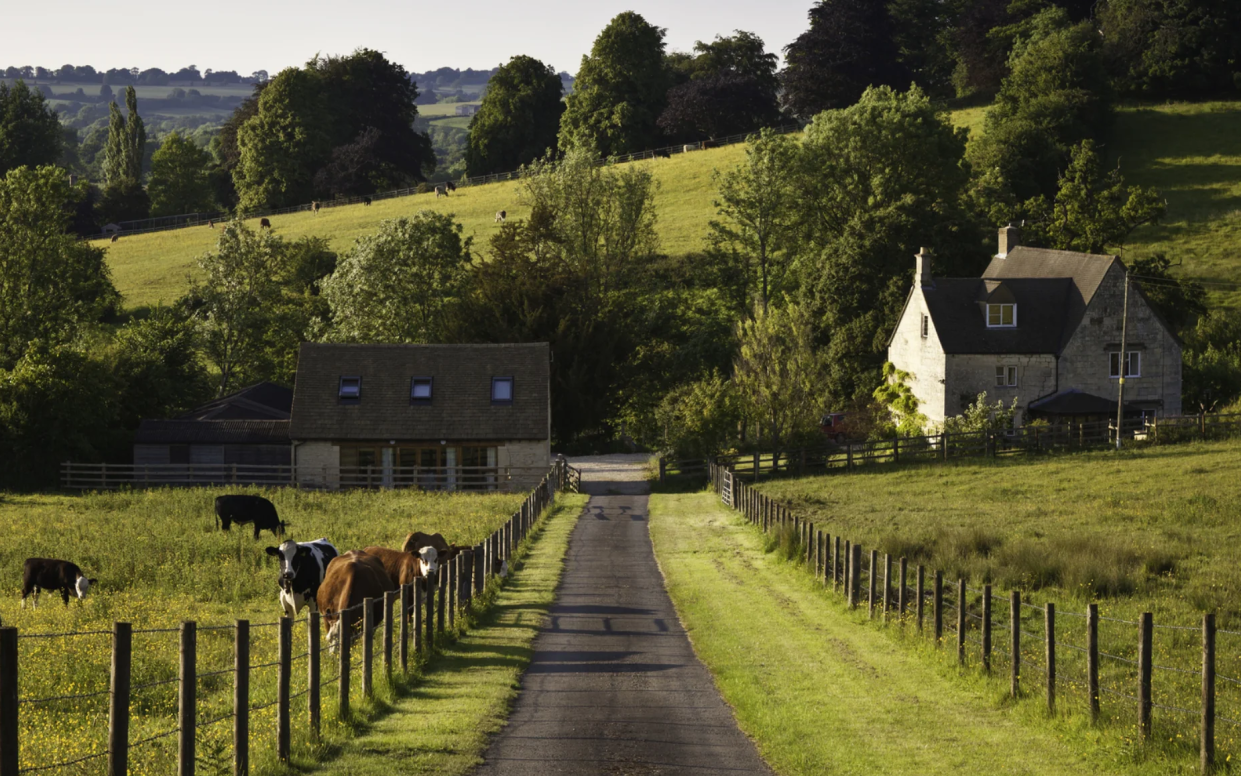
501	390
420	390
350	389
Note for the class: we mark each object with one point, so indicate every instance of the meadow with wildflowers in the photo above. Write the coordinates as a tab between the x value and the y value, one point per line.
159	560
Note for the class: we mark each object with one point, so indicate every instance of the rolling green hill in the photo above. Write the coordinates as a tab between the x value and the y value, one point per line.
1191	152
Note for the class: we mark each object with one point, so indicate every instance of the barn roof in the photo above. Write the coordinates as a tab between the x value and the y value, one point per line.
261	401
461	406
212	432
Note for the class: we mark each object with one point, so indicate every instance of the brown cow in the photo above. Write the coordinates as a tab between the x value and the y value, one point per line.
115	237
404	567
417	541
314	207
350	579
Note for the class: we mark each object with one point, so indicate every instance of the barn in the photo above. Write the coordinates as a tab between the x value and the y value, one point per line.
249	427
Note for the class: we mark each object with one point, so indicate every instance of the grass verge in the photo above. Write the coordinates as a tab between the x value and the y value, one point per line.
442	720
820	691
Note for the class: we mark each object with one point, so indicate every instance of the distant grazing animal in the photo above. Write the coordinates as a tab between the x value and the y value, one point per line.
500	216
663	153
441	191
115	237
303	566
366	201
211	224
404	567
48	574
450	185
248	509
264	223
351	579
314	208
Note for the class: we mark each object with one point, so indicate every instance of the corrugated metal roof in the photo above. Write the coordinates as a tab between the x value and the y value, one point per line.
212	432
261	401
460	408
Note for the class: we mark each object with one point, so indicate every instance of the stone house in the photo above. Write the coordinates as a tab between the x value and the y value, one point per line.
1042	327
447	417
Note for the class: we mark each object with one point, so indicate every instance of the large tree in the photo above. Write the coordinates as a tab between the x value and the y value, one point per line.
620	90
1172	48
284	143
849	47
124	198
518	120
731	88
179	178
29	128
51	283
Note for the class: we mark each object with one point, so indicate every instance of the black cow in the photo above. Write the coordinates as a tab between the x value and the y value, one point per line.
302	568
366	201
248	509
48	574
663	153
264	223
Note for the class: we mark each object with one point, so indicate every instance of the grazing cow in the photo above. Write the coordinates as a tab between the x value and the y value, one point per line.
264	223
500	216
366	201
441	191
115	237
450	185
351	579
302	568
48	574
248	509
211	224
314	208
405	567
663	153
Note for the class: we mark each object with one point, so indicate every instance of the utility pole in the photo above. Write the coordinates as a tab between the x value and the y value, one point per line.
1124	362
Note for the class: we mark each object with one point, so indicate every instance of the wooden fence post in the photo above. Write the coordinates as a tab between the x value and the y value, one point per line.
902	596
284	649
8	702
368	650
1014	606
344	626
938	607
870	583
118	710
241	698
312	674
986	628
479	569
1208	693
855	574
430	614
887	585
1145	633
403	649
921	594
838	572
441	586
466	579
420	588
389	602
961	609
1092	660
186	700
1049	631
454	578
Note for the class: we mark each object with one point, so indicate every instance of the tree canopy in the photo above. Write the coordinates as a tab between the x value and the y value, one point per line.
29	128
518	120
179	178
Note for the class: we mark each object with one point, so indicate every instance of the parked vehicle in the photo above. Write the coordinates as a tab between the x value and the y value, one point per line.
835	426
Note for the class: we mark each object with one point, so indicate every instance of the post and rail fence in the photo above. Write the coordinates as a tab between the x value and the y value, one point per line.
1060	650
414	633
944	447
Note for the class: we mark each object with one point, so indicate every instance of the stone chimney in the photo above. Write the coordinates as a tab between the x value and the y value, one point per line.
1010	237
922	270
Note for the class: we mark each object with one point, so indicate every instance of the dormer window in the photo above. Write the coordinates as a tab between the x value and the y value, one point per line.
501	390
420	390
1001	316
350	390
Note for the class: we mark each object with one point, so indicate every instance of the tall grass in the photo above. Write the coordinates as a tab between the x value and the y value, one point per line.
159	559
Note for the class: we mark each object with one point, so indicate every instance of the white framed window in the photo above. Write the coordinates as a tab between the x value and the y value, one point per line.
420	390
1001	316
1006	376
501	390
1133	364
350	389
926	326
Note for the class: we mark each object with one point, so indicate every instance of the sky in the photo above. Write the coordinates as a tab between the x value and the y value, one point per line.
246	36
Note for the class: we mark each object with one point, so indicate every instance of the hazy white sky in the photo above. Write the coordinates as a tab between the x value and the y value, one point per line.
248	35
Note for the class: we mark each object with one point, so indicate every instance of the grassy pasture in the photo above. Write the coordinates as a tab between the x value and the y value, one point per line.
159	560
1149	530
441	109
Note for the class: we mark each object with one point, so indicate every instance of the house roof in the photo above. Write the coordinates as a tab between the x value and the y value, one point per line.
212	432
261	401
1085	270
1075	402
958	308
460	409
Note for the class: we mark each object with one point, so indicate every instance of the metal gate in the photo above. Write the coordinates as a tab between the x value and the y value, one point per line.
726	488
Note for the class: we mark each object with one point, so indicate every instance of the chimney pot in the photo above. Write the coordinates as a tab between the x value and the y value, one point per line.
1010	238
922	269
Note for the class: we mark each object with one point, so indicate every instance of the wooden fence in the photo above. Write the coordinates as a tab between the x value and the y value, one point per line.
109	476
972	620
1028	440
427	609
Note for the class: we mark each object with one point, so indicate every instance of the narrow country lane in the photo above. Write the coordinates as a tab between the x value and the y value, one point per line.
614	686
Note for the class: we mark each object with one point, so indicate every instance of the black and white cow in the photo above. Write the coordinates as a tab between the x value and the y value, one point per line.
302	567
52	575
248	509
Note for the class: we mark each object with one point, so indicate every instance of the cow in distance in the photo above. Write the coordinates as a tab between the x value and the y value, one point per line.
242	509
53	575
264	223
501	215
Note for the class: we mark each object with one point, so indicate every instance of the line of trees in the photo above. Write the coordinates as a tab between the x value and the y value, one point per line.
132	76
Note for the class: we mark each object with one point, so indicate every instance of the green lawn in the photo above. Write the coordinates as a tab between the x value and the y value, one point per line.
821	692
442	724
159	559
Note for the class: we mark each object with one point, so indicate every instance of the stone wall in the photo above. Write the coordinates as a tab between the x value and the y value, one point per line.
970	375
318	465
535	458
922	357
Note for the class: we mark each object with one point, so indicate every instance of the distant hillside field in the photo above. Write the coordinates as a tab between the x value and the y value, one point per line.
1192	153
